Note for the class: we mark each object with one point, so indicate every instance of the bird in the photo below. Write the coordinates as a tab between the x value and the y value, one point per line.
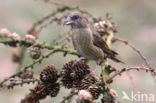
87	41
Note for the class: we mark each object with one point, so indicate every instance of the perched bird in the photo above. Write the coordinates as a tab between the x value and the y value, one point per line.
86	40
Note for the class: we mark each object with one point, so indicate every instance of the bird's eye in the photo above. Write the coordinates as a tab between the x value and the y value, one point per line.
75	17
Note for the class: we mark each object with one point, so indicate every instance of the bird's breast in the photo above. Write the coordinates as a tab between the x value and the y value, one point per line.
82	41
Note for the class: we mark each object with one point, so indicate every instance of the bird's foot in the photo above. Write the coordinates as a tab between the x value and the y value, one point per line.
92	72
76	62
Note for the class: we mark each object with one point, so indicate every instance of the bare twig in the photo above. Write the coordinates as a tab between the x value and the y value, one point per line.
39	22
63	8
22	82
59	3
41	45
128	69
17	82
107	90
140	54
56	19
26	67
105	73
69	96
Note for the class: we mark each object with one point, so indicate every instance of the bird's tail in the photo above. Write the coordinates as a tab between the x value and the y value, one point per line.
113	55
116	59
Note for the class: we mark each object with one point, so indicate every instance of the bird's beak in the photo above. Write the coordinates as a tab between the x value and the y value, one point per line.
68	21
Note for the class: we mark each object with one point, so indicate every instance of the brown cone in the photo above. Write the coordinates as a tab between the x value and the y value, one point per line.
49	74
40	91
88	81
72	75
36	94
31	98
53	89
95	91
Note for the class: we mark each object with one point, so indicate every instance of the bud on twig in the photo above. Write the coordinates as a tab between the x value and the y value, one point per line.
84	96
5	32
30	38
35	52
15	36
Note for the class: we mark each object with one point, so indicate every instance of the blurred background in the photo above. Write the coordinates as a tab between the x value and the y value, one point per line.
136	23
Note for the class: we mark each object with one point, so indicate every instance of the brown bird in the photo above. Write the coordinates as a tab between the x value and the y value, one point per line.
86	40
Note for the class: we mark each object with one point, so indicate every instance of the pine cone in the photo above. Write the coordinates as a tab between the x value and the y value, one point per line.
80	71
31	98
49	74
67	82
95	91
77	85
77	72
40	91
66	70
72	75
53	89
88	81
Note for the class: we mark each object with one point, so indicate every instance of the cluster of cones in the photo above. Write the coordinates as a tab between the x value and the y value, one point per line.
80	78
77	77
47	87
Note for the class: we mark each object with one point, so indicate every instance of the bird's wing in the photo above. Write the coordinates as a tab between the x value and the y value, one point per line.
99	42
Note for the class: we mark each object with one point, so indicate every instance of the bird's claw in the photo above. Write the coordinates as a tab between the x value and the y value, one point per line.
76	62
92	72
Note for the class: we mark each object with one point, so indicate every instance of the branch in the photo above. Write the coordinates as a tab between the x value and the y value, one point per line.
56	19
59	3
113	95
26	67
128	69
63	8
69	96
39	22
22	42
105	73
139	53
42	45
21	82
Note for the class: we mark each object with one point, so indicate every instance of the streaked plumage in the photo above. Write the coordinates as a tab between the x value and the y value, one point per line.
83	43
87	41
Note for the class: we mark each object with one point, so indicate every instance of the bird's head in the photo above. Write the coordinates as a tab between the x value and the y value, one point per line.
76	21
